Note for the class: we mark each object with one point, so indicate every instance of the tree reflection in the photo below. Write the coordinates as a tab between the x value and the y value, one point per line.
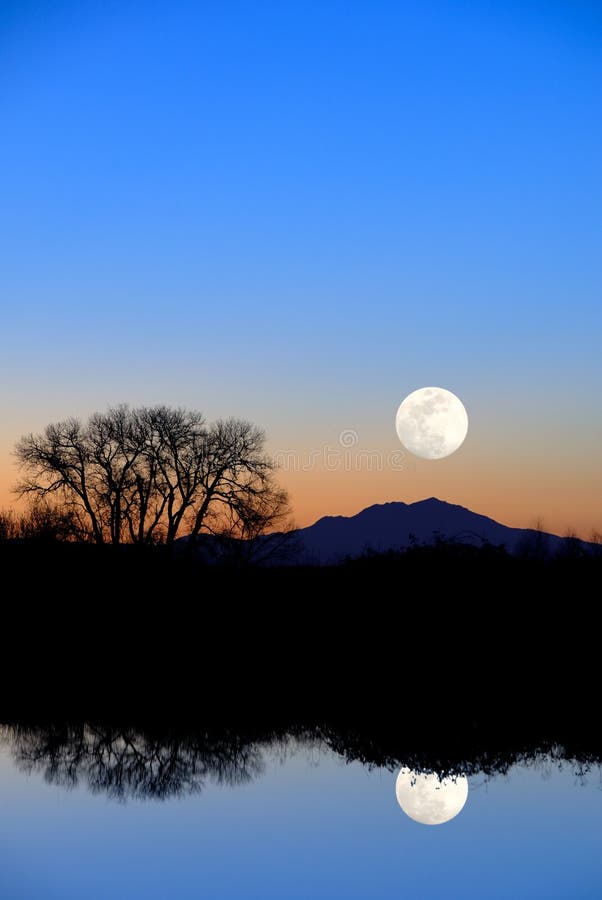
145	763
128	764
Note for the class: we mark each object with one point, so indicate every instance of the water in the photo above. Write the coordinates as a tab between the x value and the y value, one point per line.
288	820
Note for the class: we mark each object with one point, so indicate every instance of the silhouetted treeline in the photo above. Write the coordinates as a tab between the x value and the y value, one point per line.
42	522
134	631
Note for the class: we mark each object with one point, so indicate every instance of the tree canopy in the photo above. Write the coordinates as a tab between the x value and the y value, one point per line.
150	474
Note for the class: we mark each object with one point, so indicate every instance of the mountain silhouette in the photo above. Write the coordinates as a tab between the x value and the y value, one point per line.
384	528
396	526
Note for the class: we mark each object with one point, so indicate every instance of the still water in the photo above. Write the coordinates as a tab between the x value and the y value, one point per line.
292	820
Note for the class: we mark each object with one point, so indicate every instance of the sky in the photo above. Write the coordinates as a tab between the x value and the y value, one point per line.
298	214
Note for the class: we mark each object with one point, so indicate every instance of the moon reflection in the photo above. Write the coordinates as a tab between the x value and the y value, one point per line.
427	799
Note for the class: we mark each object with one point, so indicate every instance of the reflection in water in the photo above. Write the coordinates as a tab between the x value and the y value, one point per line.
128	763
429	799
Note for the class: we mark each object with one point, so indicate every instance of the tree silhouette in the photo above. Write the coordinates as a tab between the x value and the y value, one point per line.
143	475
42	522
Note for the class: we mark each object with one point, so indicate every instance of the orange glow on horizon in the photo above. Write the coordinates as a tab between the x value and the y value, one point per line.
511	495
560	508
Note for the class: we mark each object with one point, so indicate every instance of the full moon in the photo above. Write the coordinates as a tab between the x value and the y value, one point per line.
428	800
431	422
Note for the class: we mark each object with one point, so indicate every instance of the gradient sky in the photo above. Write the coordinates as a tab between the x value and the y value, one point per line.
298	213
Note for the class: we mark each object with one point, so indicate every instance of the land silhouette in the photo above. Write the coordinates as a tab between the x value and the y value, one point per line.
90	630
422	629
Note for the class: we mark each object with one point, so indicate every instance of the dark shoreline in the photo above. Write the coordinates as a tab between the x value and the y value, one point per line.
90	633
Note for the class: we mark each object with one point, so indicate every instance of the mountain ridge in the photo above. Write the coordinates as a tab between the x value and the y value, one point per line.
392	526
396	525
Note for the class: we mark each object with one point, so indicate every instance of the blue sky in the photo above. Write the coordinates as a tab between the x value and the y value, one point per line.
298	213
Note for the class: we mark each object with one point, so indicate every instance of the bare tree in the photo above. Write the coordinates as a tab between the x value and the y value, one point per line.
58	464
236	471
171	471
146	474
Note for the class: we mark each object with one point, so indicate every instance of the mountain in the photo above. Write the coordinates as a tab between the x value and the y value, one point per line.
393	526
383	527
